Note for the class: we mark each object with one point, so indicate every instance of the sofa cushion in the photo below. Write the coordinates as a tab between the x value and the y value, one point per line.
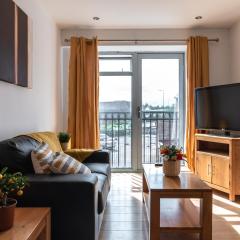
102	168
15	153
103	190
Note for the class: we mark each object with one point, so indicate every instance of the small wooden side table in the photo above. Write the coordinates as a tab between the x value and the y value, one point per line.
29	224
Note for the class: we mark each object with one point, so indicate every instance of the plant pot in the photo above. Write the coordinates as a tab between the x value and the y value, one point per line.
7	214
171	168
65	146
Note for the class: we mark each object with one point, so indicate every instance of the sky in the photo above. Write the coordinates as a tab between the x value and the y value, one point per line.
158	76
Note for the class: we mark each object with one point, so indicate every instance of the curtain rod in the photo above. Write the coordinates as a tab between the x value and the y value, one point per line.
147	40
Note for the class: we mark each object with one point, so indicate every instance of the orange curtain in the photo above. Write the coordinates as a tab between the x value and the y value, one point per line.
197	76
83	94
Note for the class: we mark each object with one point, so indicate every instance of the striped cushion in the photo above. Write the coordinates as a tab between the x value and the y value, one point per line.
41	157
65	164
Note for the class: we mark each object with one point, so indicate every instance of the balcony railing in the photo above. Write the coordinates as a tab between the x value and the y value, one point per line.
116	129
158	127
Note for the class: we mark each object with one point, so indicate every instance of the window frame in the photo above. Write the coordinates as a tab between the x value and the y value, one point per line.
136	94
115	73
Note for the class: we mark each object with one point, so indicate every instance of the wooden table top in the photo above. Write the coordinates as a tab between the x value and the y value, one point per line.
26	221
186	181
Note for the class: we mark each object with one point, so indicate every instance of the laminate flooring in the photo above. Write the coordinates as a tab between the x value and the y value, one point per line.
125	217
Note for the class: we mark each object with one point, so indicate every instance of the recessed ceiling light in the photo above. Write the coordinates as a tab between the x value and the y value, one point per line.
198	17
96	18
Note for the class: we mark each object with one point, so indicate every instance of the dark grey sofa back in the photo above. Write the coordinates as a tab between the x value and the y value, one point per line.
15	153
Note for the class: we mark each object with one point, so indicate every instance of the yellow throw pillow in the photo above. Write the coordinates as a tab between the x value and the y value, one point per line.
64	164
41	157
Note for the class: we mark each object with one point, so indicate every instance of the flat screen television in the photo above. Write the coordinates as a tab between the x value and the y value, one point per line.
218	108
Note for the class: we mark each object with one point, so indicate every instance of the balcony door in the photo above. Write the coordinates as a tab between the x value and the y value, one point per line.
141	105
161	104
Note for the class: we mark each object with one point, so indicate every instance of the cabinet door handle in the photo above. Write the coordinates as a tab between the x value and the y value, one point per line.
213	169
208	169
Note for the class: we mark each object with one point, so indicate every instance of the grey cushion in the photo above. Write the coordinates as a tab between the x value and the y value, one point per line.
102	168
103	190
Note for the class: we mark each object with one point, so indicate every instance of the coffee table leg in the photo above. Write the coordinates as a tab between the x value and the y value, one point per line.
206	216
145	187
154	221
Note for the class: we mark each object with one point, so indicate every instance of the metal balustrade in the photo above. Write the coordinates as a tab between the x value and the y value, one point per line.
158	127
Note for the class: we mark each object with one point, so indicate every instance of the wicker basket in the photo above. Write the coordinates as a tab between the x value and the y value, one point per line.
171	168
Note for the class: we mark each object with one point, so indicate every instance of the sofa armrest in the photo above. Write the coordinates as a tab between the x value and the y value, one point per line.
66	186
73	200
89	156
98	157
55	179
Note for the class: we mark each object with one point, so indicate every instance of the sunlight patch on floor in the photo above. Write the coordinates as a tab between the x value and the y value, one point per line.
232	219
236	228
136	196
217	210
126	195
224	200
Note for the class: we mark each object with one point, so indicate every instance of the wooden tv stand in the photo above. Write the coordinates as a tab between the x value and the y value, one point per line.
217	162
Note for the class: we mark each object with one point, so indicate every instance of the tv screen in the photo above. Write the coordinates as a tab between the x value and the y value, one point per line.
218	107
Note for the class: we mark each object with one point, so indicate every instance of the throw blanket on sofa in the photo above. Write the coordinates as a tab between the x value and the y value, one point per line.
80	154
52	140
48	137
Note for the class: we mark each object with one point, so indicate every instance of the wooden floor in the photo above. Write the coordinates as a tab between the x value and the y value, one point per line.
125	217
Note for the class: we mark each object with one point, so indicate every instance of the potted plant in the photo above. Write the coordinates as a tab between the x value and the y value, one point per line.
172	157
64	139
9	184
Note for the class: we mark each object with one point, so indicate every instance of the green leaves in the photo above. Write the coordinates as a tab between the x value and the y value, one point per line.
63	137
4	170
11	183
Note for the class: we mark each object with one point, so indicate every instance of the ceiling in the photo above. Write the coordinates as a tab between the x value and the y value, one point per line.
143	13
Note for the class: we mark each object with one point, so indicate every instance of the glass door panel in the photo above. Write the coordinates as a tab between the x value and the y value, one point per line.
161	80
151	85
115	116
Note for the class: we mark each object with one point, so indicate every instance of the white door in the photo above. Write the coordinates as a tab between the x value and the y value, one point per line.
141	105
161	104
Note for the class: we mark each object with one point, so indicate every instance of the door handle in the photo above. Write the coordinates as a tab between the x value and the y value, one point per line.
213	169
139	112
209	169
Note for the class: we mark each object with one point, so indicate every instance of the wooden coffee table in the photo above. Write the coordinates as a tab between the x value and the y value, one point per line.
177	205
29	224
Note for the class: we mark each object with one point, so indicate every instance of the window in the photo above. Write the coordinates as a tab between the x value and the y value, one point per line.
141	106
115	108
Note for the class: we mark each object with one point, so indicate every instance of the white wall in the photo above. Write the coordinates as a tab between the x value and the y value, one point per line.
235	52
21	109
219	53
